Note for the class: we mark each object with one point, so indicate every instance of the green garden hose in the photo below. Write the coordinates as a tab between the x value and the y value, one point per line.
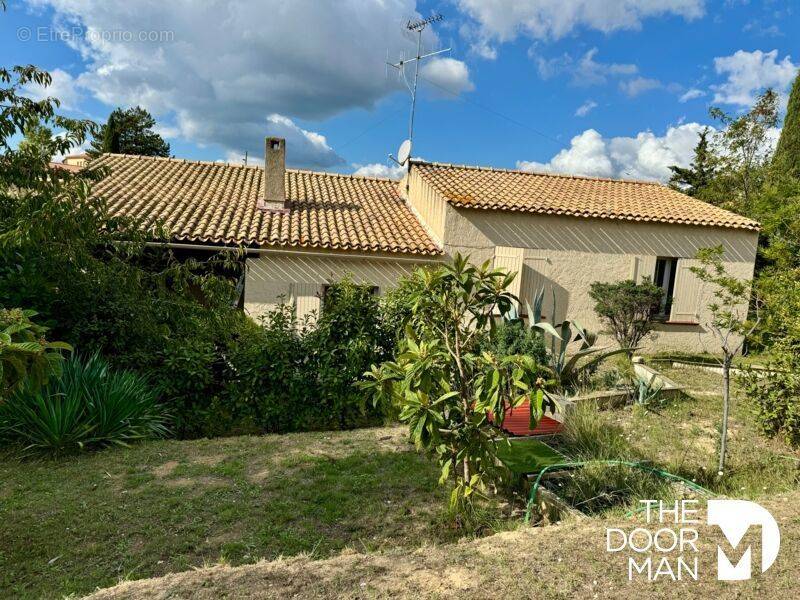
626	463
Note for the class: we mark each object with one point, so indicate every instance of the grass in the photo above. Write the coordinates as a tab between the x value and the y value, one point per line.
88	521
72	525
755	359
549	563
682	435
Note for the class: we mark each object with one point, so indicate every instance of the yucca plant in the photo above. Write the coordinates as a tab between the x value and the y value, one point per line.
89	406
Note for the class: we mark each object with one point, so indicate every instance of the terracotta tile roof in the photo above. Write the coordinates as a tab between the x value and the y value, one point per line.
205	202
484	188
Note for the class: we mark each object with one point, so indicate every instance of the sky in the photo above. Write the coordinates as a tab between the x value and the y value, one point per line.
611	88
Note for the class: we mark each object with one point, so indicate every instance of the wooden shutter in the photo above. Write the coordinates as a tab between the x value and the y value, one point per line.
641	267
307	298
510	259
686	296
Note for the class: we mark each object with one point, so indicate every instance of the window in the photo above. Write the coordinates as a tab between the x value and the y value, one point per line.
666	268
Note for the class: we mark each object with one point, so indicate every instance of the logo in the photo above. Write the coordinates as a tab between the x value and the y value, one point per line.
669	548
734	518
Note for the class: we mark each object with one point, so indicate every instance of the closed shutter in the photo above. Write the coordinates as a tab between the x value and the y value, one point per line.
686	296
306	297
641	267
510	260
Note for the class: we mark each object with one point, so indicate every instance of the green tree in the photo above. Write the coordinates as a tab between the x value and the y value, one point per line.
730	323
744	152
787	154
129	132
445	385
627	309
27	359
36	141
692	180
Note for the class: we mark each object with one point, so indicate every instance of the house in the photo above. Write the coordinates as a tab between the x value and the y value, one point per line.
303	230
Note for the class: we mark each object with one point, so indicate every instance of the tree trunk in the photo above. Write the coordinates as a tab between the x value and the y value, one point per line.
726	400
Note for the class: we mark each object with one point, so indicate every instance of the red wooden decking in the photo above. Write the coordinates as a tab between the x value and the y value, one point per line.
517	420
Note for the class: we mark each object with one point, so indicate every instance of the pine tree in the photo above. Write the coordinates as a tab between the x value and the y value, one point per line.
692	179
787	155
129	132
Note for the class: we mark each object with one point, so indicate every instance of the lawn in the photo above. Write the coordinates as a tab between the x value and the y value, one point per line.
683	436
72	525
69	526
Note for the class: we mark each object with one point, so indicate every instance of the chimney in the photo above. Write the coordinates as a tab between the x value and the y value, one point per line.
274	172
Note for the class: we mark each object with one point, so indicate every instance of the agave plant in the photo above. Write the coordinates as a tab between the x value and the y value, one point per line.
89	406
646	389
568	369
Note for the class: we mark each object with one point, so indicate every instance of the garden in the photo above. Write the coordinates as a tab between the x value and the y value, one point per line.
148	426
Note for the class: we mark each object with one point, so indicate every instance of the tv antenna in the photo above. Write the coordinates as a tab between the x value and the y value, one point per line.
414	26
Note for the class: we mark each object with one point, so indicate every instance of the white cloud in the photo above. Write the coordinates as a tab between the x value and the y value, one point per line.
302	146
750	72
504	20
380	170
644	156
227	65
585	71
587	155
639	85
448	74
691	94
63	86
585	108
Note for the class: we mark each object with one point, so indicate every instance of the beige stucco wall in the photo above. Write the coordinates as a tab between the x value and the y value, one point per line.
299	277
567	254
426	203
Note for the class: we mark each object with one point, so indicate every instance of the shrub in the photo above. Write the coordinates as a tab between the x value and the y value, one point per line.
89	406
627	308
348	338
775	395
26	357
289	376
397	304
445	386
514	337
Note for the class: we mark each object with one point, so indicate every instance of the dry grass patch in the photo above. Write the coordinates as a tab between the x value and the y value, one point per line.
565	561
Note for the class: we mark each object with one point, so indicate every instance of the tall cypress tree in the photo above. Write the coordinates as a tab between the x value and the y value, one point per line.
787	155
692	179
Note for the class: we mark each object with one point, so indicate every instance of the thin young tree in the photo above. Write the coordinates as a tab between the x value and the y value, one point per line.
731	323
744	149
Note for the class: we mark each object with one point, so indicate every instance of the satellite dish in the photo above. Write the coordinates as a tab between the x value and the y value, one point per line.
404	152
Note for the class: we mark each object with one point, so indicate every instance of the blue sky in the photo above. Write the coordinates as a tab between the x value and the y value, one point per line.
613	88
